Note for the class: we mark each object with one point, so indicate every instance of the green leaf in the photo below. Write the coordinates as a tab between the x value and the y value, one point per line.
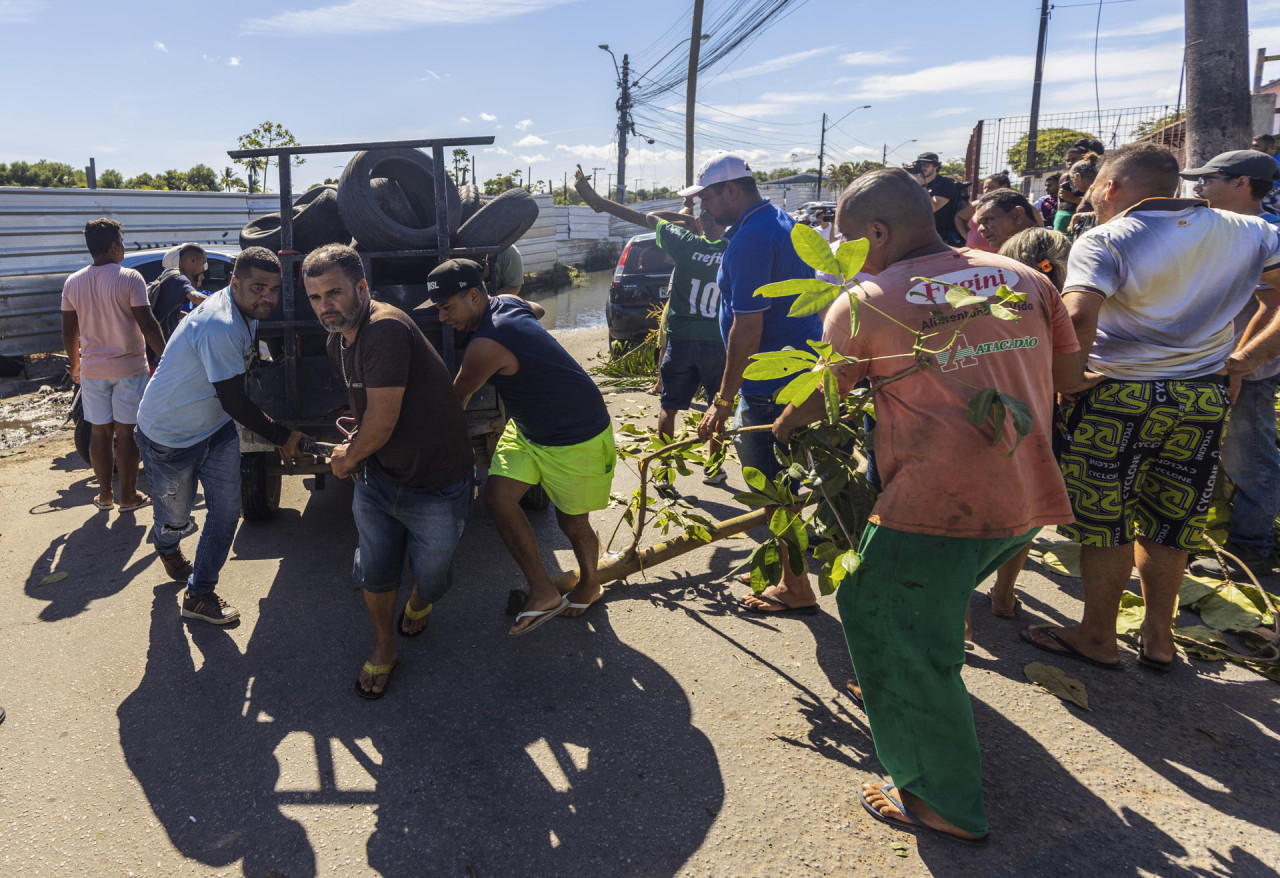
754	478
814	301
1060	557
755	501
980	406
831	393
54	577
1004	294
1194	588
851	561
997	419
1132	610
1003	313
1023	420
855	314
1058	682
814	249
780	522
776	367
852	255
959	297
794	287
799	389
1229	609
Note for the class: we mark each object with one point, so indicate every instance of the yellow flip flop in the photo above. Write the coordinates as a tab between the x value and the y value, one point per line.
375	671
413	616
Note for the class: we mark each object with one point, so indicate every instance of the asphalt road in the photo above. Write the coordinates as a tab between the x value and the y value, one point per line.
663	733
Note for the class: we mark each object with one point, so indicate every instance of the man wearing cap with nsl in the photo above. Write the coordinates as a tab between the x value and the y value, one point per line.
558	432
760	252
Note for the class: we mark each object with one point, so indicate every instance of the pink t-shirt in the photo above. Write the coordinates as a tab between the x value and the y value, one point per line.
111	344
941	474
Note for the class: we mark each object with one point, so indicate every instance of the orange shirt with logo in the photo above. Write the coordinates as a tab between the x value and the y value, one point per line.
941	474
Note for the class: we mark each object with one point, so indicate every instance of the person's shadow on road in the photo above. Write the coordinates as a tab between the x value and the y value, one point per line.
96	560
562	752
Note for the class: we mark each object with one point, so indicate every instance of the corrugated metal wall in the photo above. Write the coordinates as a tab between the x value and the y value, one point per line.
42	241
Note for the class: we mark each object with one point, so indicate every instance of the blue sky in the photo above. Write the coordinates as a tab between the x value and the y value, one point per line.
145	86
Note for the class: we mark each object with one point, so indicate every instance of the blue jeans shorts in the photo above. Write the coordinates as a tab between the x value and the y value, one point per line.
688	365
757	449
393	521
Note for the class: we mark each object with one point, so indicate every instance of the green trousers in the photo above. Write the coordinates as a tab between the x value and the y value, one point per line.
903	617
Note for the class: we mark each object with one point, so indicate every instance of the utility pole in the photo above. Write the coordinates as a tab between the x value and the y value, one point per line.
1219	112
608	186
691	90
1033	132
475	181
624	123
822	151
595	179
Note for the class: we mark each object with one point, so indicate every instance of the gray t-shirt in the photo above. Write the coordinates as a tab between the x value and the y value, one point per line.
1174	273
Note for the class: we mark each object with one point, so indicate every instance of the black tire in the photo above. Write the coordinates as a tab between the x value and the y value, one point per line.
316	222
501	222
470	196
84	435
394	202
259	487
535	499
414	173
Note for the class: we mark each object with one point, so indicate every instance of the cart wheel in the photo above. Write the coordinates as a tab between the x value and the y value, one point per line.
259	487
535	499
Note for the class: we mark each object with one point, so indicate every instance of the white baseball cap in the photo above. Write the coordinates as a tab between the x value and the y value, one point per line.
717	169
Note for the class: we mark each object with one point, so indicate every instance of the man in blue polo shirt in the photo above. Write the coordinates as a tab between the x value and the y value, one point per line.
759	253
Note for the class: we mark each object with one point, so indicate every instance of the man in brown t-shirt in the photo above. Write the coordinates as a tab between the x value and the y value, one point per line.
413	494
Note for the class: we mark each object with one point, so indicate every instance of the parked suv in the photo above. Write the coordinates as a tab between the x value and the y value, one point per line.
639	290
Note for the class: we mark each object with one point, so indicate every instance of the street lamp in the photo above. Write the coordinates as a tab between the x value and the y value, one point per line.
605	46
884	160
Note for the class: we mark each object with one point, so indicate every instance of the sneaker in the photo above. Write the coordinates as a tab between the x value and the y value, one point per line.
208	607
719	477
1259	564
176	565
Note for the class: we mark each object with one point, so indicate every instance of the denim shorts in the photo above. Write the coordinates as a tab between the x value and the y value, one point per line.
108	400
688	365
757	449
393	522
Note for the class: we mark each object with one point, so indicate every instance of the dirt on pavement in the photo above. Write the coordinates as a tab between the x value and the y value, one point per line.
664	732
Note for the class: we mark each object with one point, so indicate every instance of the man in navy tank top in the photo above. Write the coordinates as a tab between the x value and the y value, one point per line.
558	432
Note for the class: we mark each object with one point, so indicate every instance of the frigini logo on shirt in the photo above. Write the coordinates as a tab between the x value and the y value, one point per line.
962	354
979	279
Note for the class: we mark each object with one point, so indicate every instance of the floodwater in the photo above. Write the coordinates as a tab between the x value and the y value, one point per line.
578	306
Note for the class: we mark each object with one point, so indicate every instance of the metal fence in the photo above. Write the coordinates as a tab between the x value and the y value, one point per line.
42	241
993	139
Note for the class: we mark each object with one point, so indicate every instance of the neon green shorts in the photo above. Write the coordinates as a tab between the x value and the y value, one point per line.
577	478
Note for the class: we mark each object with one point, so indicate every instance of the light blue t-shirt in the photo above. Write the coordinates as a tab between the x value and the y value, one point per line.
213	343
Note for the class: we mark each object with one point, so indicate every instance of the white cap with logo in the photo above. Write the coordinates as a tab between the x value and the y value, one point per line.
717	169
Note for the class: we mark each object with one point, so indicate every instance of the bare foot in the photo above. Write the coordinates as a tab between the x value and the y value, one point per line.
583	593
381	656
778	592
917	806
1004	603
413	626
105	501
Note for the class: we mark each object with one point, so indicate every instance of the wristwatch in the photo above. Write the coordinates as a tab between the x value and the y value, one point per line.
721	401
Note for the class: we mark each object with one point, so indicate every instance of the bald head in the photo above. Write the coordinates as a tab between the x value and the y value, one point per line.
1131	174
887	196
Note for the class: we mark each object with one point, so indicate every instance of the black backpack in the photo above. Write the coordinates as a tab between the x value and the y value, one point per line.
153	295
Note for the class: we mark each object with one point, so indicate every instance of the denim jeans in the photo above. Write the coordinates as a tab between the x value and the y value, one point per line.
393	521
173	473
756	449
1251	459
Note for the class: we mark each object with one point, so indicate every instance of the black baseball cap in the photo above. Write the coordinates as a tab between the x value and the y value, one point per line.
928	157
452	277
1238	163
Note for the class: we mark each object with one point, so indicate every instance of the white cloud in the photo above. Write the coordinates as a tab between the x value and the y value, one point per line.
533	159
233	61
949	111
488	117
161	47
380	16
18	10
531	140
430	73
782	62
589	151
463	119
496	150
1159	25
524	124
868	59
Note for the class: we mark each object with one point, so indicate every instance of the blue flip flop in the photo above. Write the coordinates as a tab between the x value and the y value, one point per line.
911	823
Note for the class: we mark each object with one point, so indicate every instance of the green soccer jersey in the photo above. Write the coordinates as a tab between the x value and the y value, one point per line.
694	296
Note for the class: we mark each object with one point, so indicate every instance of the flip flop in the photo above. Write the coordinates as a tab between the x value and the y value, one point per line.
540	616
911	821
1067	651
1148	662
584	607
375	671
853	693
807	610
1017	605
143	502
413	616
103	506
